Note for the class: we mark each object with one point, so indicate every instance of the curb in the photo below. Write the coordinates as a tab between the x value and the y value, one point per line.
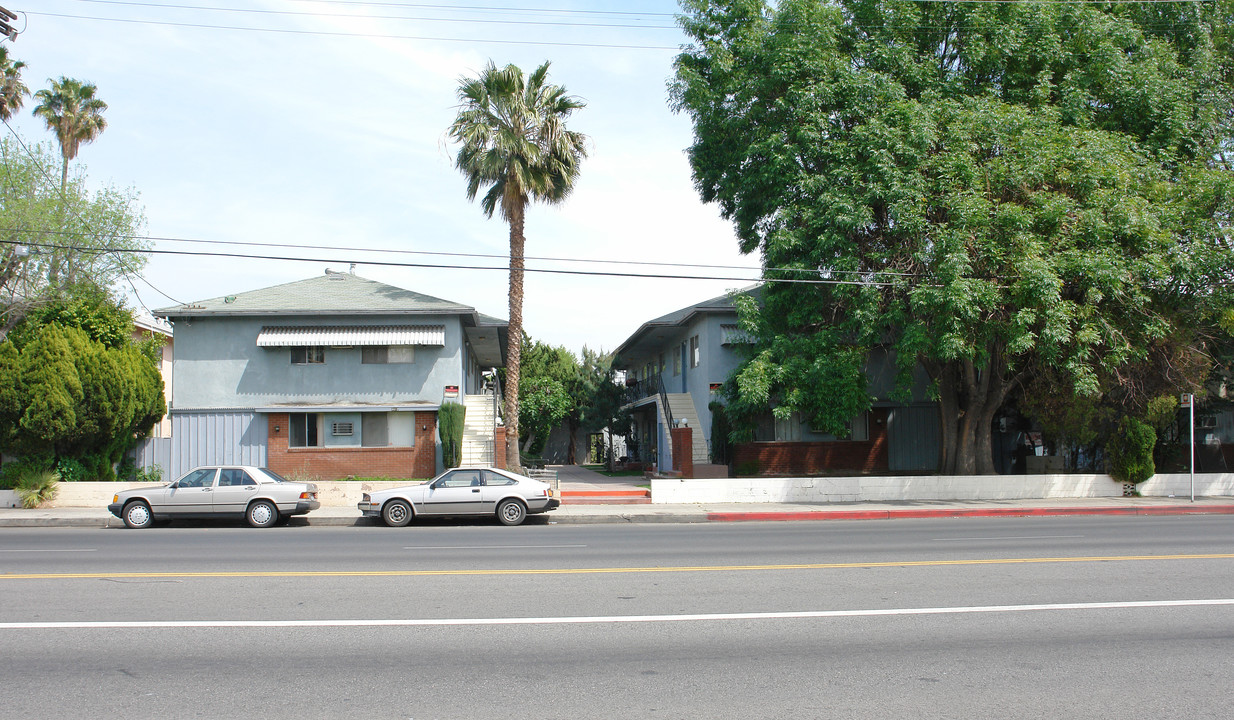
968	512
617	517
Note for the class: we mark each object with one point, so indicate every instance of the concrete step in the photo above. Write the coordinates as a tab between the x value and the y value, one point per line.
614	496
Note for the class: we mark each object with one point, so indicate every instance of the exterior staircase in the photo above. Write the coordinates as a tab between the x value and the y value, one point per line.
681	405
478	430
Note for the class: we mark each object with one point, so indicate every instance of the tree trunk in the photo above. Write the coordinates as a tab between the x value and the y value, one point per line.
514	338
969	397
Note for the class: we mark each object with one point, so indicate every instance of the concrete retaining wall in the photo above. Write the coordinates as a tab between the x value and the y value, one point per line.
887	488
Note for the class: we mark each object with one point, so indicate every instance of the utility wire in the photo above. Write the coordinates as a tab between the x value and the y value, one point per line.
296	13
375	36
503	257
548	271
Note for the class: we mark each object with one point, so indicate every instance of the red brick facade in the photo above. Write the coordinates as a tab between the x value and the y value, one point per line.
817	458
499	448
683	450
333	463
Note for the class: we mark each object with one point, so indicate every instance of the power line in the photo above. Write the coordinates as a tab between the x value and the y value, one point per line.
374	36
391	263
492	256
295	13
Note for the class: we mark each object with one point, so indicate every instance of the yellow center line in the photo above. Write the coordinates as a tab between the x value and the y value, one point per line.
597	571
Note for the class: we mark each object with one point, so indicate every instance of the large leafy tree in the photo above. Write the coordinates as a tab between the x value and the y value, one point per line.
13	91
548	385
989	191
71	111
96	234
513	142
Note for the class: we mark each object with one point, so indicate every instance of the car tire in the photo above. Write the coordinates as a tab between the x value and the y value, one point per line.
137	515
511	512
396	513
262	514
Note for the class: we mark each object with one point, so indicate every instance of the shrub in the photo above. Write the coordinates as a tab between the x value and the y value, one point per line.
37	487
1130	451
450	423
71	470
152	474
12	472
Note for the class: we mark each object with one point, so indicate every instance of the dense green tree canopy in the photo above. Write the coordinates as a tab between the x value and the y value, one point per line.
989	190
70	242
66	395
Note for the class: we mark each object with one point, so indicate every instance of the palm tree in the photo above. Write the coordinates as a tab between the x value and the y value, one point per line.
12	90
514	141
73	113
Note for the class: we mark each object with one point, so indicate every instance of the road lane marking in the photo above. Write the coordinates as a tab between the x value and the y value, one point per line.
488	547
1010	537
602	571
604	619
47	550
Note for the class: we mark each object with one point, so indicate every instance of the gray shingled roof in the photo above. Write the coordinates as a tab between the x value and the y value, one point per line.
723	303
329	294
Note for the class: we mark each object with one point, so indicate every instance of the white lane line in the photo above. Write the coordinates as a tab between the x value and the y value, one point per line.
487	547
1010	537
602	619
47	550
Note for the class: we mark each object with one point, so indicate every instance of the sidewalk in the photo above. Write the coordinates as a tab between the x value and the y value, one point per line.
726	512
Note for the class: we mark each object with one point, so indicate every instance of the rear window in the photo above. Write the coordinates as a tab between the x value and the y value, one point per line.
270	476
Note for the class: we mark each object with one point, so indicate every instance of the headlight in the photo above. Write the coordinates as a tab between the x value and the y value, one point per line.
365	498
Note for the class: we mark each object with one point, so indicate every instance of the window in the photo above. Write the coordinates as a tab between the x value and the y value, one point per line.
387	354
234	477
695	353
492	479
459	478
374	430
308	355
197	479
303	427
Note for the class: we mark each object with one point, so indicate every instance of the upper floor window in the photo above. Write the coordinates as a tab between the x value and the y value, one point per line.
387	354
308	355
696	356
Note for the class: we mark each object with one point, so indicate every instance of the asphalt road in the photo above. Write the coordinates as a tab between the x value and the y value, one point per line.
1090	617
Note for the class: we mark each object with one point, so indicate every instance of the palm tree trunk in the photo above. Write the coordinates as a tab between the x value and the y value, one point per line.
514	339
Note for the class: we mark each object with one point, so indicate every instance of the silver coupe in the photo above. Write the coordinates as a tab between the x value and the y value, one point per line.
463	491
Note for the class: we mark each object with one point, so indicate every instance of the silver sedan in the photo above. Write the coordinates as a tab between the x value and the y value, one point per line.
256	494
463	491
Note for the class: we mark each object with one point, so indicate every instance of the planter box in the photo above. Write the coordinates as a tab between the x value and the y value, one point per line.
8	499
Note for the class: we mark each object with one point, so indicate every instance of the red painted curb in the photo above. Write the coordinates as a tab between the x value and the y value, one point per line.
969	512
640	492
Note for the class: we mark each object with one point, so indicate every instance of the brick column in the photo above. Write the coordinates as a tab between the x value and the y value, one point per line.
683	450
499	448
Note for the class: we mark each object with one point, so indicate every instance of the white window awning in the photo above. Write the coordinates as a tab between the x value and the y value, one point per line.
356	335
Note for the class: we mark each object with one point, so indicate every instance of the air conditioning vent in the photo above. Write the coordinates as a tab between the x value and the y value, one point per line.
342	428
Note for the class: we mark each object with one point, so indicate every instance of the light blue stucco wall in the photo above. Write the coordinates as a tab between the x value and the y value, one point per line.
218	365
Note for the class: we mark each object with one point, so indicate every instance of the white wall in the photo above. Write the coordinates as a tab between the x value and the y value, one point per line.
886	488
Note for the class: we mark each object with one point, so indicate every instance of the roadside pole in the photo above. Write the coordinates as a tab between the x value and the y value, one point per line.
1188	401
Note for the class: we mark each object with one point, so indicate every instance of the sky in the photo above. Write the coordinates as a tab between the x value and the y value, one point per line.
329	136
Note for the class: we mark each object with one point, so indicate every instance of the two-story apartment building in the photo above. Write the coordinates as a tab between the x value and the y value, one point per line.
332	376
676	363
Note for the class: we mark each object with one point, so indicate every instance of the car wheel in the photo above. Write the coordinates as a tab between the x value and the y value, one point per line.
137	515
262	514
511	512
396	513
